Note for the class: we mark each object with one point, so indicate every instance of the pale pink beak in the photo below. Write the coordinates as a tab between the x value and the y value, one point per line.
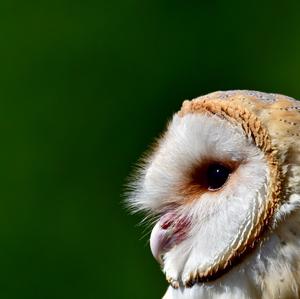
168	232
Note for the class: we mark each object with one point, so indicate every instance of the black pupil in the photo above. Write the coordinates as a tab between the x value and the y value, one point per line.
217	175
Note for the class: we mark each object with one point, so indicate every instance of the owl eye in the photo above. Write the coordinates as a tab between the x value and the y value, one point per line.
216	176
208	176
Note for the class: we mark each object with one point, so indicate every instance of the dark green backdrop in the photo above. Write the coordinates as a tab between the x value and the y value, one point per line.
85	86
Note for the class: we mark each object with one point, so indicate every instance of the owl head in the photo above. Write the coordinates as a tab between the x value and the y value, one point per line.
220	180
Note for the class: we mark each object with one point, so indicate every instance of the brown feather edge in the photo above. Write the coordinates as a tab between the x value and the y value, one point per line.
237	114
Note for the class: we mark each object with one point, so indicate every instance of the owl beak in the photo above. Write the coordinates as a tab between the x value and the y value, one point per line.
169	231
158	242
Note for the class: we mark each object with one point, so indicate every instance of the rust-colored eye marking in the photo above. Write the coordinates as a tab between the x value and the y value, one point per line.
208	176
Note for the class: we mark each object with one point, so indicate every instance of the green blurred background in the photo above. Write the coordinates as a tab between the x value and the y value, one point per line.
85	87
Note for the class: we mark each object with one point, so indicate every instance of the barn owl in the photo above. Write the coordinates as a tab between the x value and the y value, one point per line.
223	185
